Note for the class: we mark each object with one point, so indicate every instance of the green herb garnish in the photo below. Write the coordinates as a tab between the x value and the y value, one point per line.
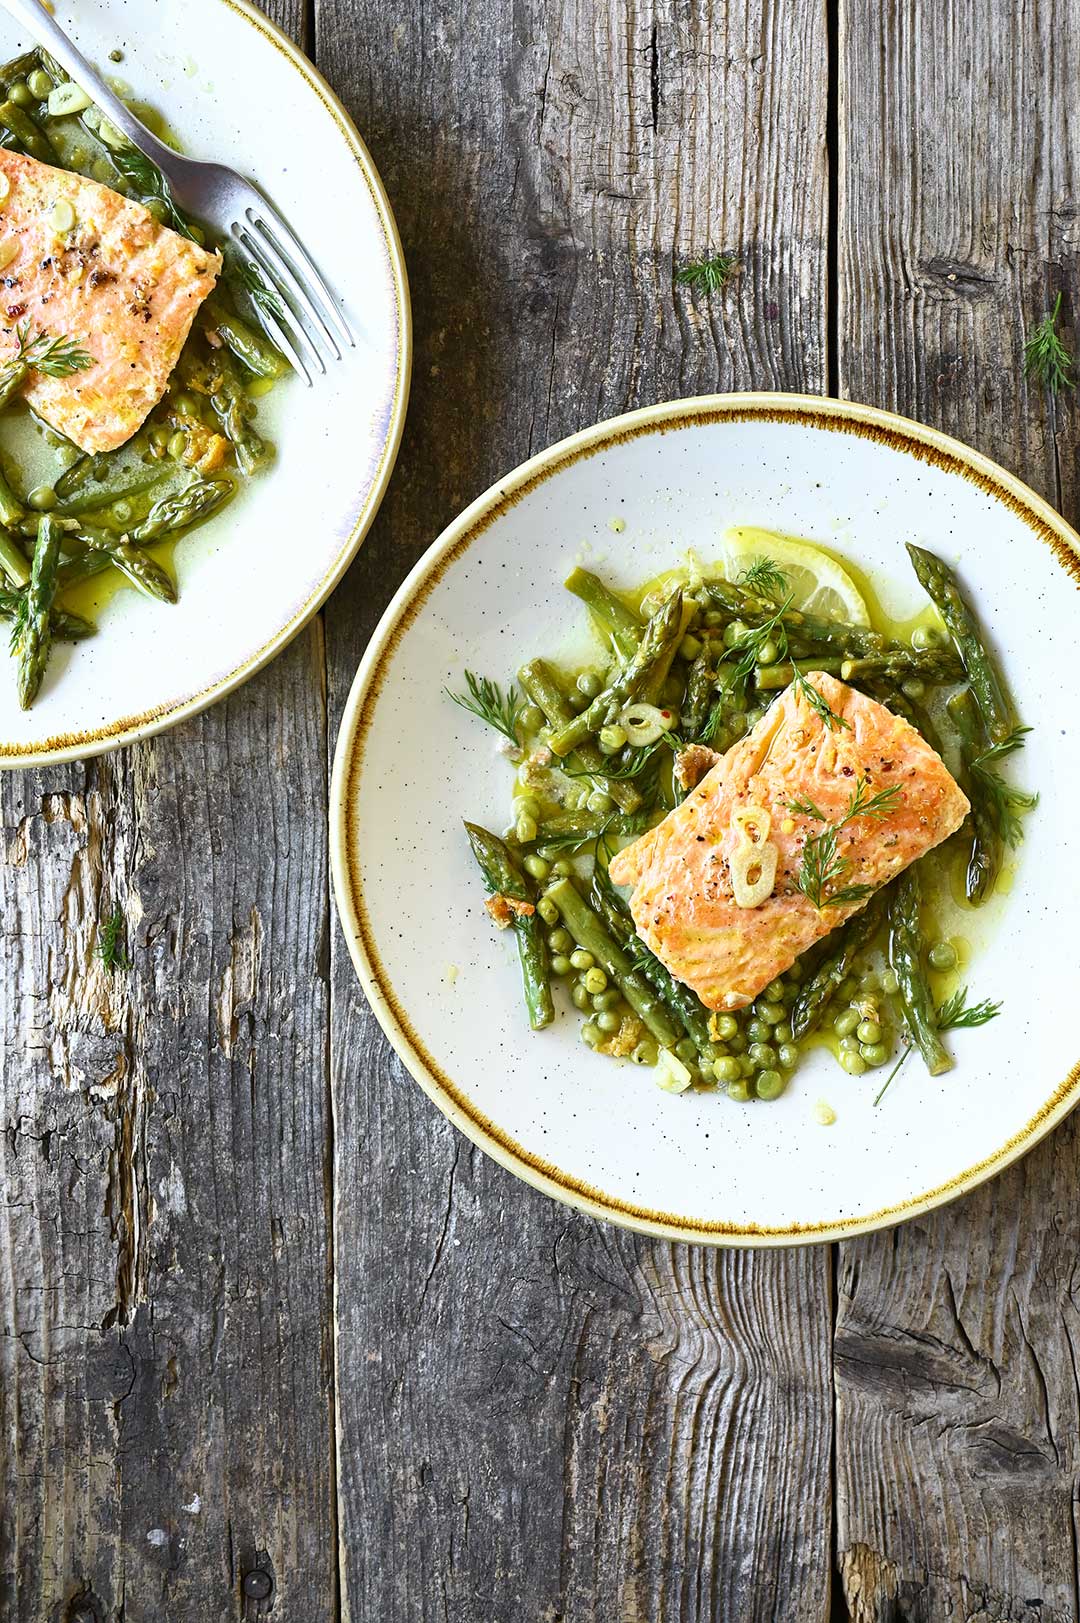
822	867
1045	357
485	699
956	1012
262	296
1003	800
818	703
710	275
764	578
56	357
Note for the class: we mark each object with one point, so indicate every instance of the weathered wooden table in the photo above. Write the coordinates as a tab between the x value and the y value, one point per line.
275	1339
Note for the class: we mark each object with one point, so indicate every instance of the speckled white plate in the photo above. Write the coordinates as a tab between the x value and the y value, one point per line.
410	766
234	89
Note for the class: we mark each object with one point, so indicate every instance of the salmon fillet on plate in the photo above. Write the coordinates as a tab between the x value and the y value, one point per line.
717	892
78	261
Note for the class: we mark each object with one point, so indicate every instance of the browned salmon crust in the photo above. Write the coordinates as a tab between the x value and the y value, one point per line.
117	283
683	902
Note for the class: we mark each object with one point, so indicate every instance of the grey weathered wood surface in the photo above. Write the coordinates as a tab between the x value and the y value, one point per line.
260	1307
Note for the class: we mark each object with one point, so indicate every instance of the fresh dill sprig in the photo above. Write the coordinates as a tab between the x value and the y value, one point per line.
709	275
1003	799
764	578
1045	357
110	943
262	296
956	1012
18	624
881	1094
486	700
56	357
630	763
818	703
749	646
822	868
147	181
711	725
807	808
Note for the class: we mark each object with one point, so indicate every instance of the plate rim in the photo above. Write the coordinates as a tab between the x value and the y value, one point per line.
819	412
113	735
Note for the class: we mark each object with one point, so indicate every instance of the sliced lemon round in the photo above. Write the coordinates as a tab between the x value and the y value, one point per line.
817	583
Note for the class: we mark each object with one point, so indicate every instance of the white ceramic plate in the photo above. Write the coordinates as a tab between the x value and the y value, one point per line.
234	89
410	766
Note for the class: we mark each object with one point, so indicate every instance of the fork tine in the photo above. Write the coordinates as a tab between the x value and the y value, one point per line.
286	273
289	248
296	342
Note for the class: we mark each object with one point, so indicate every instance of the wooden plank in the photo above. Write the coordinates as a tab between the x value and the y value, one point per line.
165	1286
539	1416
956	1340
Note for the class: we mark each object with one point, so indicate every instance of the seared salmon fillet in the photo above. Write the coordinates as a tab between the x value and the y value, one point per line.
112	280
688	871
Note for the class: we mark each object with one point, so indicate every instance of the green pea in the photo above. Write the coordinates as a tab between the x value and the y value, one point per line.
577	700
783	1033
791	980
561	965
42	498
761	1054
21	94
735	632
582	959
914	688
771	1013
102	171
532	718
868	1031
39	84
595	981
758	1031
590	684
547	910
849	1044
609	1021
769	1084
560	940
591	1034
727	1070
768	653
853	1063
525	827
686	1050
925	637
562	867
158	208
645	1054
177	446
160	436
875	1053
774	992
573	798
607	1000
737	1042
612	738
690	647
846	990
889	982
845	1023
713	618
788	1056
122	512
579	997
746	1065
537	867
726	1026
599	802
942	956
739	1091
870	982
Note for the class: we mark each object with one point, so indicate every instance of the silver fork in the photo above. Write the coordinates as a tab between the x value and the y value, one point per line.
307	320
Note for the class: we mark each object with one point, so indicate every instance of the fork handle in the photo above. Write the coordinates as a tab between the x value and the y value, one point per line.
47	31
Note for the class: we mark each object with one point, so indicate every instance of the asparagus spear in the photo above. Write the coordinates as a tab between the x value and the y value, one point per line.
503	877
906	957
219	379
249	346
832	634
939	582
679	1000
623	624
658	643
699	686
35	632
13	560
570	827
65	627
590	935
11	508
539	683
176	512
29	136
770	678
816	993
901	664
139	568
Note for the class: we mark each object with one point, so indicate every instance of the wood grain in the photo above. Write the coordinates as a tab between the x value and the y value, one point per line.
165	1287
956	1341
541	1417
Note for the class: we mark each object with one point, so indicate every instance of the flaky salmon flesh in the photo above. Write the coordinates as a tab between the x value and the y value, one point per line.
110	279
684	901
